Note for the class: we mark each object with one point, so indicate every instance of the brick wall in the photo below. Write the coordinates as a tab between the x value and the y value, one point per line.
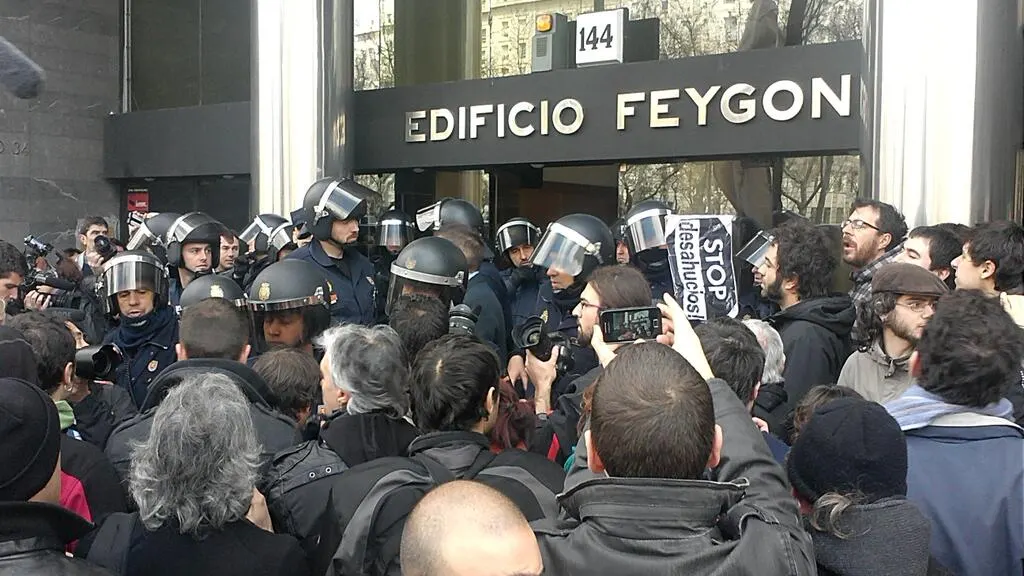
51	148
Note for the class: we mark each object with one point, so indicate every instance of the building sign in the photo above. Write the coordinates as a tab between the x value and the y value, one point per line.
799	100
600	37
700	254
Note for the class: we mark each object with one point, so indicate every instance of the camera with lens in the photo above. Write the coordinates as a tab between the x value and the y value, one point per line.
462	320
104	248
36	247
530	335
99	362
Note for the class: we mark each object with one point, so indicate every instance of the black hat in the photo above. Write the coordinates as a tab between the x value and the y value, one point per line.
849	446
29	437
16	357
901	278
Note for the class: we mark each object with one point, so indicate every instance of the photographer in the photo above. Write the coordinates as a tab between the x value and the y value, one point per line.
90	260
59	289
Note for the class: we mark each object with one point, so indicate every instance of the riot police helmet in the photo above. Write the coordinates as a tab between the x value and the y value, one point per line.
575	244
266	235
287	290
516	232
331	199
432	266
194	228
133	270
646	226
213	286
152	231
394	230
449	211
619	230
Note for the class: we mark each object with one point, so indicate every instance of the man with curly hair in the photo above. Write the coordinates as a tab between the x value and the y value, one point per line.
815	325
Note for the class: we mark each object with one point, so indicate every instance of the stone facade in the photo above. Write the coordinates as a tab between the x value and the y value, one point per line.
51	148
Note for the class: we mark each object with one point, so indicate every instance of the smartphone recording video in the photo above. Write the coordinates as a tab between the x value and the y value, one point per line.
629	324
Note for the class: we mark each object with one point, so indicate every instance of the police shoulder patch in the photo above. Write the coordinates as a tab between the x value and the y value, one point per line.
153	365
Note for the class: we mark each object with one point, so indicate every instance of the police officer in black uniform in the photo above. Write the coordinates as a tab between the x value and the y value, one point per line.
193	249
646	237
395	230
430	266
571	248
333	208
516	240
459	211
290	302
152	234
621	246
134	287
265	238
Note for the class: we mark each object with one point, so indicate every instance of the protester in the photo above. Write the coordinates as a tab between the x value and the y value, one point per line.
194	481
466	529
933	248
872	237
418	320
902	300
816	398
294	381
516	423
34	529
815	327
966	459
773	385
849	473
364	389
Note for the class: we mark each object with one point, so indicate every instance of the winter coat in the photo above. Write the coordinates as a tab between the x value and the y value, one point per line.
888	538
274	431
744	523
89	485
875	375
33	537
966	474
557	433
490	323
816	340
301	478
523	285
142	364
101	411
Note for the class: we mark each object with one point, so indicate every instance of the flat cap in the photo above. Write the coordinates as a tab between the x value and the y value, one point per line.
900	278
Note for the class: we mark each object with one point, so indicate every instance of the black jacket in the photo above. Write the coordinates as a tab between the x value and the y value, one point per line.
558	433
490	323
100	485
744	523
274	430
299	483
816	339
389	488
33	537
101	411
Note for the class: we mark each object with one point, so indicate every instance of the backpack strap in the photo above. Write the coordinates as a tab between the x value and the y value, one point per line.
482	460
438	472
113	539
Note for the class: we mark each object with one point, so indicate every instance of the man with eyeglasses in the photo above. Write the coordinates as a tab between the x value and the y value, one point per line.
903	298
872	237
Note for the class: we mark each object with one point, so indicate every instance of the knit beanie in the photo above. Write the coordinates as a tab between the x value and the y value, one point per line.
29	440
849	446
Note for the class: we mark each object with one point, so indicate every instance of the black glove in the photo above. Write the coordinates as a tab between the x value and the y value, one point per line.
241	269
519	277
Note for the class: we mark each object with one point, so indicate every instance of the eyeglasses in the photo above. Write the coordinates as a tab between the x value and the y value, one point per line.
858	224
918	305
584	305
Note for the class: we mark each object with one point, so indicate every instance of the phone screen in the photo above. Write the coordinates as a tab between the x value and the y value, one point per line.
629	324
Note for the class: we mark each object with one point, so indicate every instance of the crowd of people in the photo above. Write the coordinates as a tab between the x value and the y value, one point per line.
356	391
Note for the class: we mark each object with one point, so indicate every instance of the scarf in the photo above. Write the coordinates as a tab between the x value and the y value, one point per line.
917	408
134	332
567	299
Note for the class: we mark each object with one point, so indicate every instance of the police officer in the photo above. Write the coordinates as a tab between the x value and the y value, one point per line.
459	211
266	237
395	231
290	302
193	248
333	208
134	290
515	240
213	286
430	266
571	248
151	234
646	231
621	247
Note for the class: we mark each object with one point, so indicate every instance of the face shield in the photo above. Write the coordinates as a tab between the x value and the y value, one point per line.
132	272
563	249
394	234
449	289
647	230
345	200
142	238
754	251
265	237
429	218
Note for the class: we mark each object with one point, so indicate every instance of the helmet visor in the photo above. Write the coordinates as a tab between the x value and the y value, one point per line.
561	249
646	230
515	234
345	200
132	273
141	238
429	218
394	234
754	251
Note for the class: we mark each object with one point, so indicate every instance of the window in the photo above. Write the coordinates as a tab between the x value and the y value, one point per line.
522	50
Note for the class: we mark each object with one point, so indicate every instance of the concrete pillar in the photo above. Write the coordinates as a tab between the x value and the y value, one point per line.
301	98
942	108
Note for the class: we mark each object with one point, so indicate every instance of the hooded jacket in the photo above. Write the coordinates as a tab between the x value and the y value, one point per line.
300	480
816	339
875	375
274	431
889	537
744	523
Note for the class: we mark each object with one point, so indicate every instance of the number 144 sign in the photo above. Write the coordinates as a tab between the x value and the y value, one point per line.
600	36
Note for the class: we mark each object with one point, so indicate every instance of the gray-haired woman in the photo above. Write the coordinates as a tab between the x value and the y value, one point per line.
364	383
194	481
